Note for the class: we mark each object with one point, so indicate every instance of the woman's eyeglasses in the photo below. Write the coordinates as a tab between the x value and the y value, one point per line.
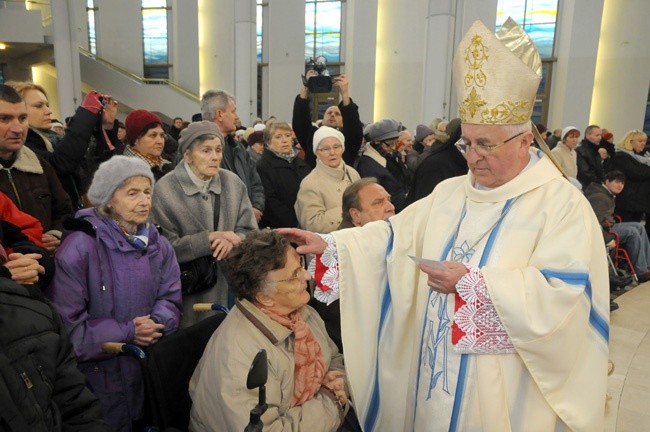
297	275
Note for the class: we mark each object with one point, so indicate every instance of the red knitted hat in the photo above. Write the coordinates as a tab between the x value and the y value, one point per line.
137	121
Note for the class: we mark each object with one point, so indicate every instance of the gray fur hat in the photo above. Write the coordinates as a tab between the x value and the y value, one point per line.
195	130
111	174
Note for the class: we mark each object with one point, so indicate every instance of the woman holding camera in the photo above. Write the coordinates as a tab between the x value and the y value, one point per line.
66	154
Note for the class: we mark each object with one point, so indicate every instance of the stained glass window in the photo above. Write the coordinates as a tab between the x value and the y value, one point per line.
154	38
92	35
258	21
323	29
537	17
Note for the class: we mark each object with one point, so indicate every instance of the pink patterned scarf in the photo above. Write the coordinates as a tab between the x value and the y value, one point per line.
308	356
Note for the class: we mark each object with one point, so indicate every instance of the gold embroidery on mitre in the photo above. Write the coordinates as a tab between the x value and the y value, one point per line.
507	112
484	70
471	103
475	55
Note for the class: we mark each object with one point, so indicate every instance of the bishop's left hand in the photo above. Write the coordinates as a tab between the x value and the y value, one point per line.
444	281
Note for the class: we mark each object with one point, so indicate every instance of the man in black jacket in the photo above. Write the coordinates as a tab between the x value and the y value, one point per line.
591	157
344	117
41	388
218	106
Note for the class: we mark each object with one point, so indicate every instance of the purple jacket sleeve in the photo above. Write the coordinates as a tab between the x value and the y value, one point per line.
70	294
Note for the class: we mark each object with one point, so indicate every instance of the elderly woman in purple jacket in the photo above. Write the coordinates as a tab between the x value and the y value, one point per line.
117	280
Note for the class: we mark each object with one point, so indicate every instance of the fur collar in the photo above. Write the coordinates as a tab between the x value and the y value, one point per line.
27	161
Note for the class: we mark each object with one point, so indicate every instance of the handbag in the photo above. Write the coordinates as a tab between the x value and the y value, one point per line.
201	273
198	275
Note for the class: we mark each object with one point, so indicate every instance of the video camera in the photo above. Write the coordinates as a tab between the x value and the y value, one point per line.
321	83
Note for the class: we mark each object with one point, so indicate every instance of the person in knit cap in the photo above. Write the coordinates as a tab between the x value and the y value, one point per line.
425	137
116	280
485	305
255	146
318	205
565	151
204	210
380	160
146	136
281	171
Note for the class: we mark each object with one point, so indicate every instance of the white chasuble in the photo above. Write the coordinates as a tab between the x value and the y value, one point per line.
541	255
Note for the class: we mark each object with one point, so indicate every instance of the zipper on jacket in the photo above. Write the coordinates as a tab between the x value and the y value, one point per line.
13	186
26	380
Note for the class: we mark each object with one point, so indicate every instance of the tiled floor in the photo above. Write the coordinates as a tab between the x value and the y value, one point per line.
628	388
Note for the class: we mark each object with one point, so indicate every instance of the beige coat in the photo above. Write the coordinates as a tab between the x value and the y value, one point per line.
567	158
220	399
319	202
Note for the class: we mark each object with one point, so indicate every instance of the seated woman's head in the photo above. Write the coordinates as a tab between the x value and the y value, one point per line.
121	190
266	270
635	140
145	133
201	145
278	136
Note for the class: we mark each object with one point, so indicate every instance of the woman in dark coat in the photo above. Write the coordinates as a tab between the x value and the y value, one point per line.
632	159
281	171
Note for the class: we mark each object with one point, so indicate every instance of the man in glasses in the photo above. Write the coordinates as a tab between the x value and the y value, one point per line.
485	305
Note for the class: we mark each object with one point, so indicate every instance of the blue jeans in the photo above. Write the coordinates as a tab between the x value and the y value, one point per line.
633	236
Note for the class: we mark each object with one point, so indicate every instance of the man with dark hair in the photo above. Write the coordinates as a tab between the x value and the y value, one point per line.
344	117
177	126
591	157
365	201
27	179
218	106
631	234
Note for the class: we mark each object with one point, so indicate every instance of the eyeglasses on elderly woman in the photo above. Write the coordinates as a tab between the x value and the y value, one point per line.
295	276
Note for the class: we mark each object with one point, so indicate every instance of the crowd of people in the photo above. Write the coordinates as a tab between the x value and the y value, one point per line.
105	226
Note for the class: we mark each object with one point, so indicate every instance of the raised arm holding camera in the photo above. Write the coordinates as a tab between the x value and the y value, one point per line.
344	117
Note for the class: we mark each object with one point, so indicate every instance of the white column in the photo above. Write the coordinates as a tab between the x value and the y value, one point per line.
245	61
400	55
184	44
622	72
286	55
119	34
66	57
439	53
577	35
360	40
217	45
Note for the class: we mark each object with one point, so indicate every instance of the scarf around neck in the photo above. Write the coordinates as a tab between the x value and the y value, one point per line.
309	368
288	157
641	158
139	239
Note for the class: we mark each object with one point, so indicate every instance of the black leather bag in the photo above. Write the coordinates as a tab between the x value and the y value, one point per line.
198	275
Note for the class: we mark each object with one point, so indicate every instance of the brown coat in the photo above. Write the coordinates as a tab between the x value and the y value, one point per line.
32	184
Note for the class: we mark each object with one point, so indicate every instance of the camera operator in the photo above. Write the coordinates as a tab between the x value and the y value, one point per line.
344	117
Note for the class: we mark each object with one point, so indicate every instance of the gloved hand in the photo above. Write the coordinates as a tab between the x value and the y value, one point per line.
92	102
